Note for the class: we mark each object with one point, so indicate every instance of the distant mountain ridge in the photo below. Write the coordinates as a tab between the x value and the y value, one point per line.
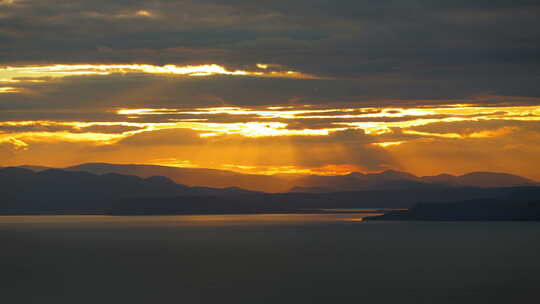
78	190
387	180
56	191
34	168
481	179
192	176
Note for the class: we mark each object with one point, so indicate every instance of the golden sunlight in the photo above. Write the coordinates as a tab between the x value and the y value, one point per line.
9	90
62	70
277	120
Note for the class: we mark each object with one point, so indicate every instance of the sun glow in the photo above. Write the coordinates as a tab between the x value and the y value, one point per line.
388	143
328	170
190	137
277	121
9	90
23	138
260	129
143	13
269	112
62	70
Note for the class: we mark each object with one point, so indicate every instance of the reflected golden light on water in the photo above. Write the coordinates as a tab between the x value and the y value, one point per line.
355	219
262	219
219	220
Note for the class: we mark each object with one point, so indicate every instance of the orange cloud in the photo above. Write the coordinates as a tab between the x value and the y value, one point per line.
270	142
9	90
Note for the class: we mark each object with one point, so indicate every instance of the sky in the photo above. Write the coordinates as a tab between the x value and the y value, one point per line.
272	87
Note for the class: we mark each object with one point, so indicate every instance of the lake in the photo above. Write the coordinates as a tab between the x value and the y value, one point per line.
279	258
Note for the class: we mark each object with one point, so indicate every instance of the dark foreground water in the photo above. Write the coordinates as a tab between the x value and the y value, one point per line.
266	259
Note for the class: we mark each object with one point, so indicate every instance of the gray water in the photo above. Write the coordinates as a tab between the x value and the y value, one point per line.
331	258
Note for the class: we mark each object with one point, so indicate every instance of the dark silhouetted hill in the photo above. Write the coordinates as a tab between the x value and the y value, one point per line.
54	190
34	168
264	202
472	210
395	180
193	176
481	179
60	191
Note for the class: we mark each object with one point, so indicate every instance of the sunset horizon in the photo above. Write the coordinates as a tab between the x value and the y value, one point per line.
259	89
247	170
269	151
425	139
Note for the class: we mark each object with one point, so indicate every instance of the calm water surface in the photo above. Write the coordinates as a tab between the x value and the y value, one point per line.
329	258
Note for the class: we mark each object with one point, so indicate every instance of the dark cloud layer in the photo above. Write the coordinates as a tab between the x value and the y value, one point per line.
83	97
410	49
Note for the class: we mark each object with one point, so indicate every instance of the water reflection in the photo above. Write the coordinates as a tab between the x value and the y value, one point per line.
265	258
191	220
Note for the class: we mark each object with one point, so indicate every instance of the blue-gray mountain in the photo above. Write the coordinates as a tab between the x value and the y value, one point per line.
388	180
23	191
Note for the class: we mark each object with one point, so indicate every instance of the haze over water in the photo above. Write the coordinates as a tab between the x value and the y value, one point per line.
331	258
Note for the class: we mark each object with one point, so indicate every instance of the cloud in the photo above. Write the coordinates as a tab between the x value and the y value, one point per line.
416	48
474	127
351	147
102	93
491	145
412	77
513	152
166	137
346	148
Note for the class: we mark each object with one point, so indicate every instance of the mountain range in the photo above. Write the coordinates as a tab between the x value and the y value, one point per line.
387	180
59	191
